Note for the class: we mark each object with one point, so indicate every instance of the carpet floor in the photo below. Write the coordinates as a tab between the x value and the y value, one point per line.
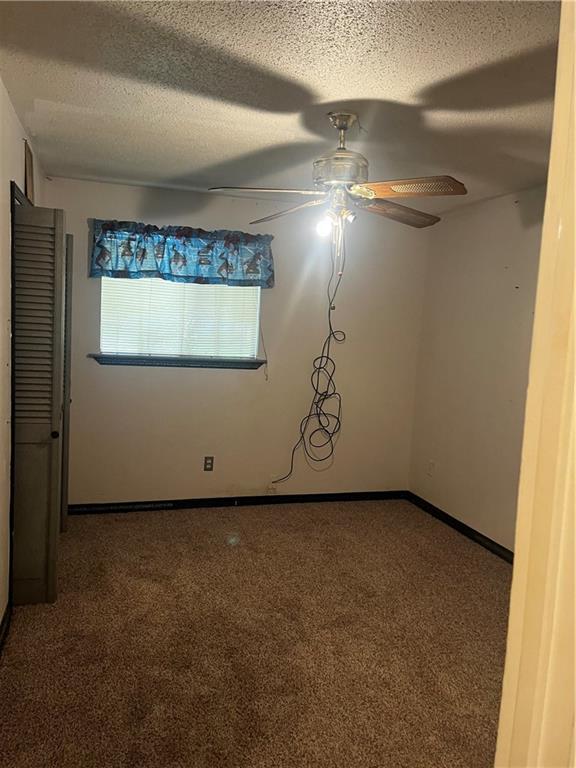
333	635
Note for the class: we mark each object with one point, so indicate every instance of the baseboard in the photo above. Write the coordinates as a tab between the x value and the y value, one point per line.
458	525
296	498
232	501
5	626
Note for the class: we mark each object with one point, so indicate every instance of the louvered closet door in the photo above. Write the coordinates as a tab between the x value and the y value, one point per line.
38	327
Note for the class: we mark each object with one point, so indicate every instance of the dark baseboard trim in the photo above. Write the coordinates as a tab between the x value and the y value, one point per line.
296	498
232	501
458	525
5	626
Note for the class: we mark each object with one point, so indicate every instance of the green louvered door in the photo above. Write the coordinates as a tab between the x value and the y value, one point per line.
38	327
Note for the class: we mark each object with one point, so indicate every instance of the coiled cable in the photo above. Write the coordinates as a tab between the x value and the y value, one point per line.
320	427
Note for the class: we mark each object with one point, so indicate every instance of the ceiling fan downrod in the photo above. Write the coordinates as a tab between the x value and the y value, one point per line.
342	121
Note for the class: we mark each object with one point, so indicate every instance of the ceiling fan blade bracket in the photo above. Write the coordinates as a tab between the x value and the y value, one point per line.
361	191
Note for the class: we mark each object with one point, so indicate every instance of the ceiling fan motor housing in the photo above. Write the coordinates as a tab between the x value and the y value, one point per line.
341	166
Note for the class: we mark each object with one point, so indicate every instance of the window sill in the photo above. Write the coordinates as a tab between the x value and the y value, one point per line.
157	361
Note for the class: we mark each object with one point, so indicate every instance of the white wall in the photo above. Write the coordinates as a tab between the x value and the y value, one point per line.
473	366
12	138
141	433
434	368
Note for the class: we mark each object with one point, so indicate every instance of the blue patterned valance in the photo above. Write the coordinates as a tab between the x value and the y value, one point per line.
129	249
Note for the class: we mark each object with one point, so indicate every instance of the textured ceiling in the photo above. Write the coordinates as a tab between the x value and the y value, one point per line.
205	93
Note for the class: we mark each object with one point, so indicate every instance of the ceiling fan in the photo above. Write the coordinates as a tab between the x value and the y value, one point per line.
341	184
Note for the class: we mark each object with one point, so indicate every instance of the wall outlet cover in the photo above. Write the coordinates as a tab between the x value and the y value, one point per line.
208	463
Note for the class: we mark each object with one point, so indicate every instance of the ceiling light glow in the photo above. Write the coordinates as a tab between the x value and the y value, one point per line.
324	226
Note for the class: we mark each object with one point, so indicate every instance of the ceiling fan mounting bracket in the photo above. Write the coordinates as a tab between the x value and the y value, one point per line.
342	121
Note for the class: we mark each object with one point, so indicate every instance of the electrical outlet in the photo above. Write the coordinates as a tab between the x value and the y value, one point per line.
208	463
431	468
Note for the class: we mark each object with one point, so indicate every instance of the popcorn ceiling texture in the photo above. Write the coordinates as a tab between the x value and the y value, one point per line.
349	635
205	93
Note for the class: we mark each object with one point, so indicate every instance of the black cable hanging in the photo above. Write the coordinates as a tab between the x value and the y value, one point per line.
320	427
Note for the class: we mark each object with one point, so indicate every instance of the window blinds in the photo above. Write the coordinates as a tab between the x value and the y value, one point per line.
159	317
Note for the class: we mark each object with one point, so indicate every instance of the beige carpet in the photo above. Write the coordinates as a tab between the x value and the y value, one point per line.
349	635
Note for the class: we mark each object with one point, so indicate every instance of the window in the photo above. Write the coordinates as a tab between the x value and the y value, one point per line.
158	318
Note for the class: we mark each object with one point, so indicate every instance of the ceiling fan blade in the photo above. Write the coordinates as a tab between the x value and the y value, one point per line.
267	190
289	210
425	186
400	213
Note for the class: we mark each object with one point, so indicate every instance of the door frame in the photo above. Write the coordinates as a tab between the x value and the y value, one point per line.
17	197
538	696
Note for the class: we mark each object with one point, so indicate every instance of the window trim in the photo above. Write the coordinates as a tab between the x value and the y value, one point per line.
178	361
